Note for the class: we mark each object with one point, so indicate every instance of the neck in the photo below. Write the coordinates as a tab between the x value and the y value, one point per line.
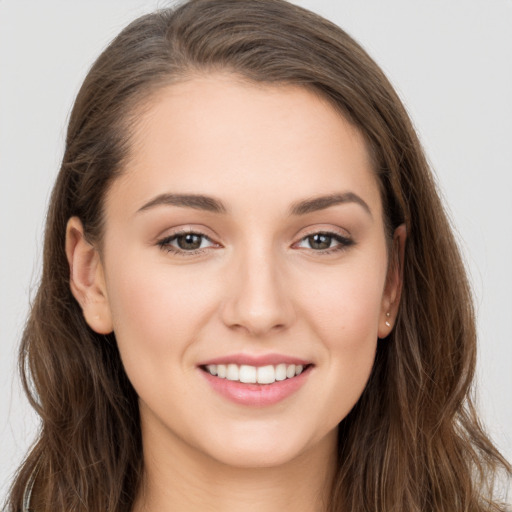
182	479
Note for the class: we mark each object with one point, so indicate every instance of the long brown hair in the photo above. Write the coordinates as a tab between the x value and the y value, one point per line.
413	441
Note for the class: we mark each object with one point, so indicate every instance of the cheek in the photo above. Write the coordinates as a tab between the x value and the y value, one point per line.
346	308
156	309
344	312
349	330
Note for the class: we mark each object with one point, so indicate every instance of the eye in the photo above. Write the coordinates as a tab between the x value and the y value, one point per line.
325	242
186	242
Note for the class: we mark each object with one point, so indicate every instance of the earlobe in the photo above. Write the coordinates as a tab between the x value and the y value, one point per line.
394	282
86	278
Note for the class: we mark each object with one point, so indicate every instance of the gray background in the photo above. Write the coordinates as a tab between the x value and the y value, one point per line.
451	62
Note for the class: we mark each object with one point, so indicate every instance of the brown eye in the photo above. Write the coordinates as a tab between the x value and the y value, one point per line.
325	241
189	241
183	243
320	241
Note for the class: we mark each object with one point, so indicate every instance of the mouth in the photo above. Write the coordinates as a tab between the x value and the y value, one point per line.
256	382
248	374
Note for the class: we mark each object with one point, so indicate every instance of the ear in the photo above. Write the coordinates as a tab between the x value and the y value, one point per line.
86	278
394	280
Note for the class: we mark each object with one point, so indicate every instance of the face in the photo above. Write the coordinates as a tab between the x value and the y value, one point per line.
244	270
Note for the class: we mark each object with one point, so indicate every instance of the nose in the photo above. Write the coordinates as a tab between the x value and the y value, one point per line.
258	296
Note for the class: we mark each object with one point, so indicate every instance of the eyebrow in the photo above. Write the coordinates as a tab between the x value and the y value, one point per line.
196	201
210	204
322	202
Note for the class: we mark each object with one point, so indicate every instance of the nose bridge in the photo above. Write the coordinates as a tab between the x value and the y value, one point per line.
257	299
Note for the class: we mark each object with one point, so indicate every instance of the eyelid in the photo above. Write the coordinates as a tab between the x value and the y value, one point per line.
184	229
323	228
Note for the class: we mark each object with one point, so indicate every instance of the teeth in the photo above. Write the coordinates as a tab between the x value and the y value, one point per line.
266	375
232	372
247	374
252	374
280	372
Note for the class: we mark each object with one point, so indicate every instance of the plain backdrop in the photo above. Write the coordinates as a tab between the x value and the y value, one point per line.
451	63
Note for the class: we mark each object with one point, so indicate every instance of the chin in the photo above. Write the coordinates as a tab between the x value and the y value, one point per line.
266	449
244	458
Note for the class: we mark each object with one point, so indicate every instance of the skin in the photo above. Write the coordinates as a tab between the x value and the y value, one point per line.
256	286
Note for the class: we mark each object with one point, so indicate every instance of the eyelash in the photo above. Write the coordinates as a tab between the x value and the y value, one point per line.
343	243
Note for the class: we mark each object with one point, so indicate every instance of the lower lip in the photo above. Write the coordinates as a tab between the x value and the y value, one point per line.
256	395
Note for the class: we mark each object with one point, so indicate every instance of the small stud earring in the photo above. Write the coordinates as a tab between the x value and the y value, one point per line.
388	314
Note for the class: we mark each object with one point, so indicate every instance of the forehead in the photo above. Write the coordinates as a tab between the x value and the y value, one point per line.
222	136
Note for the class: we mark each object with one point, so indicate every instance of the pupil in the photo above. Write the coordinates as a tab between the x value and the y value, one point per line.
189	241
320	241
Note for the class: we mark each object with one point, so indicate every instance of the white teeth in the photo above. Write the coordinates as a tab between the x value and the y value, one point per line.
280	372
252	374
212	368
266	374
247	374
221	371
232	372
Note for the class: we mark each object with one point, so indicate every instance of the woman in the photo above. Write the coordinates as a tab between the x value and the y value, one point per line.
251	297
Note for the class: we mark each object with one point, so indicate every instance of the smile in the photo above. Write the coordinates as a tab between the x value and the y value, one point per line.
254	374
256	381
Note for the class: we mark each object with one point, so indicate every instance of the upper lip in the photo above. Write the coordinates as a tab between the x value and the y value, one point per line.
255	360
